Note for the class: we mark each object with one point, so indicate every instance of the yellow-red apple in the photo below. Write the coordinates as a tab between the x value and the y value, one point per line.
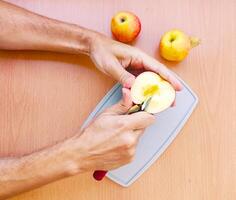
125	26
175	45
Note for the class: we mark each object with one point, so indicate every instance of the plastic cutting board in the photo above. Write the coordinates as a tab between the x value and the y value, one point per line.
156	138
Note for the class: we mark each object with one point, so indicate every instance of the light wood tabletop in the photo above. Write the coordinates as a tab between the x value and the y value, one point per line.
45	97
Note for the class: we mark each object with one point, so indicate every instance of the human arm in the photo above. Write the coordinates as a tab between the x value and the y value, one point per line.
25	30
107	143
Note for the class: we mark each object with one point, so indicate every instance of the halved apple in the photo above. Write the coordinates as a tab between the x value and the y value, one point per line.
151	84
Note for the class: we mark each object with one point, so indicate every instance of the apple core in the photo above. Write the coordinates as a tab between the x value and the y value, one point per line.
150	90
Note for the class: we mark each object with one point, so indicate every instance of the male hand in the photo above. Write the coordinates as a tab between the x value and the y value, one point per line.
112	58
110	140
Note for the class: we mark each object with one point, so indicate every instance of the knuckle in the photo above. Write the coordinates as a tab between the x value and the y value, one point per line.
124	76
129	141
131	152
138	59
151	118
123	109
148	117
130	159
122	124
99	122
136	51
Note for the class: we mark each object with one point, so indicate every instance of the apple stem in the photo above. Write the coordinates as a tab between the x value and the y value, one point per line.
194	41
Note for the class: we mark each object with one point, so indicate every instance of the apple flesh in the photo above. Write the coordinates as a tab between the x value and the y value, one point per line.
151	84
125	26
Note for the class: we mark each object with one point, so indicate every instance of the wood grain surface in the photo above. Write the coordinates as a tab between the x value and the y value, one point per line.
45	97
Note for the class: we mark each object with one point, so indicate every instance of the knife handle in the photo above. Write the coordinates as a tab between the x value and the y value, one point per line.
100	174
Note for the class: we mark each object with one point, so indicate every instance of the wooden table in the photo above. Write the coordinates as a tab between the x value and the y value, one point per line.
45	97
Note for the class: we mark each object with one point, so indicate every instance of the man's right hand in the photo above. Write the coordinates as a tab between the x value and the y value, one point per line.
110	140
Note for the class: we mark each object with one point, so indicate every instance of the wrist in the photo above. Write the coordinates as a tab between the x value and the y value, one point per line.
94	40
70	155
79	40
70	38
84	40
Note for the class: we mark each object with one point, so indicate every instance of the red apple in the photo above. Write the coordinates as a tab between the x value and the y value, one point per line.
125	26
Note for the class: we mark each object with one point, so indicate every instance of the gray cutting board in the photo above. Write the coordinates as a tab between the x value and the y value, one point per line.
156	138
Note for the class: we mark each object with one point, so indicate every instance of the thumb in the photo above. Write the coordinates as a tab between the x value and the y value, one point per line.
121	74
123	105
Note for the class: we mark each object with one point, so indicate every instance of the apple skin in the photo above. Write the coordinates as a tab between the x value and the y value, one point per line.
125	26
151	84
175	45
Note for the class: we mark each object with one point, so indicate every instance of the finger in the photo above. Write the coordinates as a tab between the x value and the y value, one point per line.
133	137
153	65
139	133
139	120
122	106
119	73
138	59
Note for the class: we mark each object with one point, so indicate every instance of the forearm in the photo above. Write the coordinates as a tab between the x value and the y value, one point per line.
21	174
24	30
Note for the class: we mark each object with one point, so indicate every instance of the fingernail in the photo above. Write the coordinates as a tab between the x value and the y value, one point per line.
129	82
124	91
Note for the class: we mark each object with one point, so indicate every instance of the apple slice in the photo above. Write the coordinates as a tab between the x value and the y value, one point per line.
151	84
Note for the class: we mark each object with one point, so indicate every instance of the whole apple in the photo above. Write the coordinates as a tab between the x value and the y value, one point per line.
125	26
175	45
